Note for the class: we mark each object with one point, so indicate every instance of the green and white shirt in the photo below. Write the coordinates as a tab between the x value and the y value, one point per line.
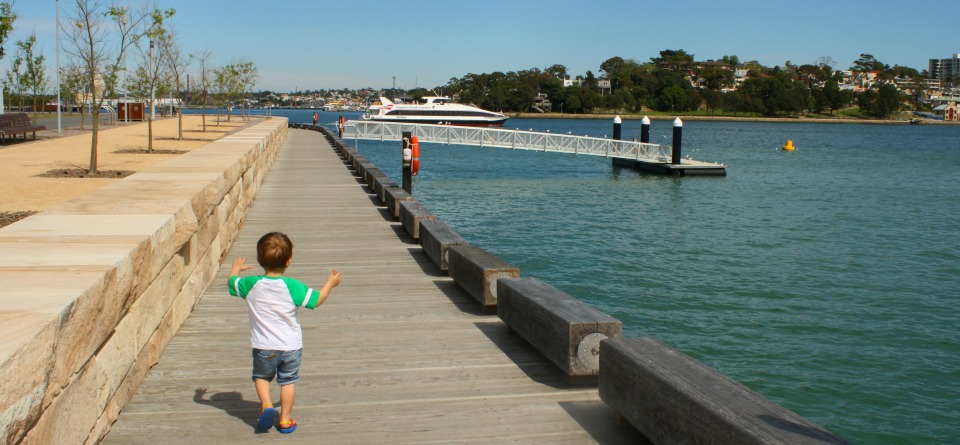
273	303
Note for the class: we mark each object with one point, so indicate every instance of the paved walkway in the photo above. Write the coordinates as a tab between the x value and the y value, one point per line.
398	354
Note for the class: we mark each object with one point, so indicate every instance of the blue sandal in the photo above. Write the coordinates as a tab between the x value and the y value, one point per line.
267	416
289	429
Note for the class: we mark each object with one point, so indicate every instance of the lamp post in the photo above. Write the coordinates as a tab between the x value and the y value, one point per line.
59	116
152	110
126	102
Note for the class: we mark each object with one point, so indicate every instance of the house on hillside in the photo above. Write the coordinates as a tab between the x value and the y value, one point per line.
947	106
541	104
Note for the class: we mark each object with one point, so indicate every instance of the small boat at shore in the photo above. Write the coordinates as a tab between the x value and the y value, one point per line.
437	110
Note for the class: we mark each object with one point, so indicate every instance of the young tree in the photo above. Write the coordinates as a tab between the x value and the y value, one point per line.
151	64
247	75
177	63
71	85
7	17
34	75
224	81
15	79
233	81
205	81
98	37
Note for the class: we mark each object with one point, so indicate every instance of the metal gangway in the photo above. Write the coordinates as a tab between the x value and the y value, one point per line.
506	138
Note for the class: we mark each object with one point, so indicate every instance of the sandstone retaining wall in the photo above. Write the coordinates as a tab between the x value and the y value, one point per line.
92	290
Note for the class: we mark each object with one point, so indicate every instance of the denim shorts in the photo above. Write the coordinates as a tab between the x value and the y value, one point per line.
285	365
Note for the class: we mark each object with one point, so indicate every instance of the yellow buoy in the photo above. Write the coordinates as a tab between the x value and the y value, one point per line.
788	146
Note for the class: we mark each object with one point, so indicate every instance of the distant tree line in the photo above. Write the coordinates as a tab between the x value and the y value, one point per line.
674	82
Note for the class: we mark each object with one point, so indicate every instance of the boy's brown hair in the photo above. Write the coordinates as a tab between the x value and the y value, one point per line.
274	250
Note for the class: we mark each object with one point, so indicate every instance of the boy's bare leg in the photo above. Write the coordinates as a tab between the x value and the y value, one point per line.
263	392
287	394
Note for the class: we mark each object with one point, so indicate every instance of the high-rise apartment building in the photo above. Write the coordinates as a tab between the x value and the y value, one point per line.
945	69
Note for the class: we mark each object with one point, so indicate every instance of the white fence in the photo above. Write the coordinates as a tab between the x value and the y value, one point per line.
505	138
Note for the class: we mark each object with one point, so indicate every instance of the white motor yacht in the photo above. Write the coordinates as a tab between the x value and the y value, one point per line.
435	110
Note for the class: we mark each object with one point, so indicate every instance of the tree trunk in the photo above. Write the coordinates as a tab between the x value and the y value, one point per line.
180	121
93	142
150	134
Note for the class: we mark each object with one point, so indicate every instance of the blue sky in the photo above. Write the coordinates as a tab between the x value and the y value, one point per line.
347	44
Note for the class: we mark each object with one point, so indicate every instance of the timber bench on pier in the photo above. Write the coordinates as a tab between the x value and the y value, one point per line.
411	213
12	124
392	197
564	329
477	272
380	187
672	398
435	238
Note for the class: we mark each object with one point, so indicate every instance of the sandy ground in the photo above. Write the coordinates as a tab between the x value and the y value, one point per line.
22	190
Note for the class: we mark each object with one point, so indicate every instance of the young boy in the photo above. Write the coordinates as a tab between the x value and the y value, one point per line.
273	302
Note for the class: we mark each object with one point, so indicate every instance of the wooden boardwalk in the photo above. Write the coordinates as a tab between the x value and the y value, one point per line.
398	354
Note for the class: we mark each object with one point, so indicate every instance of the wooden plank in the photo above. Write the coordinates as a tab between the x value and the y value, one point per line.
398	354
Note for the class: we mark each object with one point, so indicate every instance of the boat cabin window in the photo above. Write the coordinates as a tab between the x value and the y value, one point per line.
436	100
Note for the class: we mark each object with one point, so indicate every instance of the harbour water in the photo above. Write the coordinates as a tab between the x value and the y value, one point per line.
826	279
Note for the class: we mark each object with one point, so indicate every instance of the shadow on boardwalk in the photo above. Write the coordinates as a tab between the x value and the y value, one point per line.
231	403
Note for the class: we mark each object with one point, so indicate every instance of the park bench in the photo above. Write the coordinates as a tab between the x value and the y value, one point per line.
380	187
672	398
564	329
392	197
12	124
411	213
435	238
477	272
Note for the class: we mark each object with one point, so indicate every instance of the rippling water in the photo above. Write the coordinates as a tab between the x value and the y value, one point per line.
826	279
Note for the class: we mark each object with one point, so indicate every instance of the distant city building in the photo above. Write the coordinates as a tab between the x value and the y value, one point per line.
945	69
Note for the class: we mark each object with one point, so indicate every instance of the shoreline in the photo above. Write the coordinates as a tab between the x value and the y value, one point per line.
816	120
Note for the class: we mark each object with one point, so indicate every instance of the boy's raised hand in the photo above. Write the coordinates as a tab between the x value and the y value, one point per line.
239	265
334	278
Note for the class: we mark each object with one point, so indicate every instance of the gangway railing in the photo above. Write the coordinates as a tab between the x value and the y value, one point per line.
506	138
